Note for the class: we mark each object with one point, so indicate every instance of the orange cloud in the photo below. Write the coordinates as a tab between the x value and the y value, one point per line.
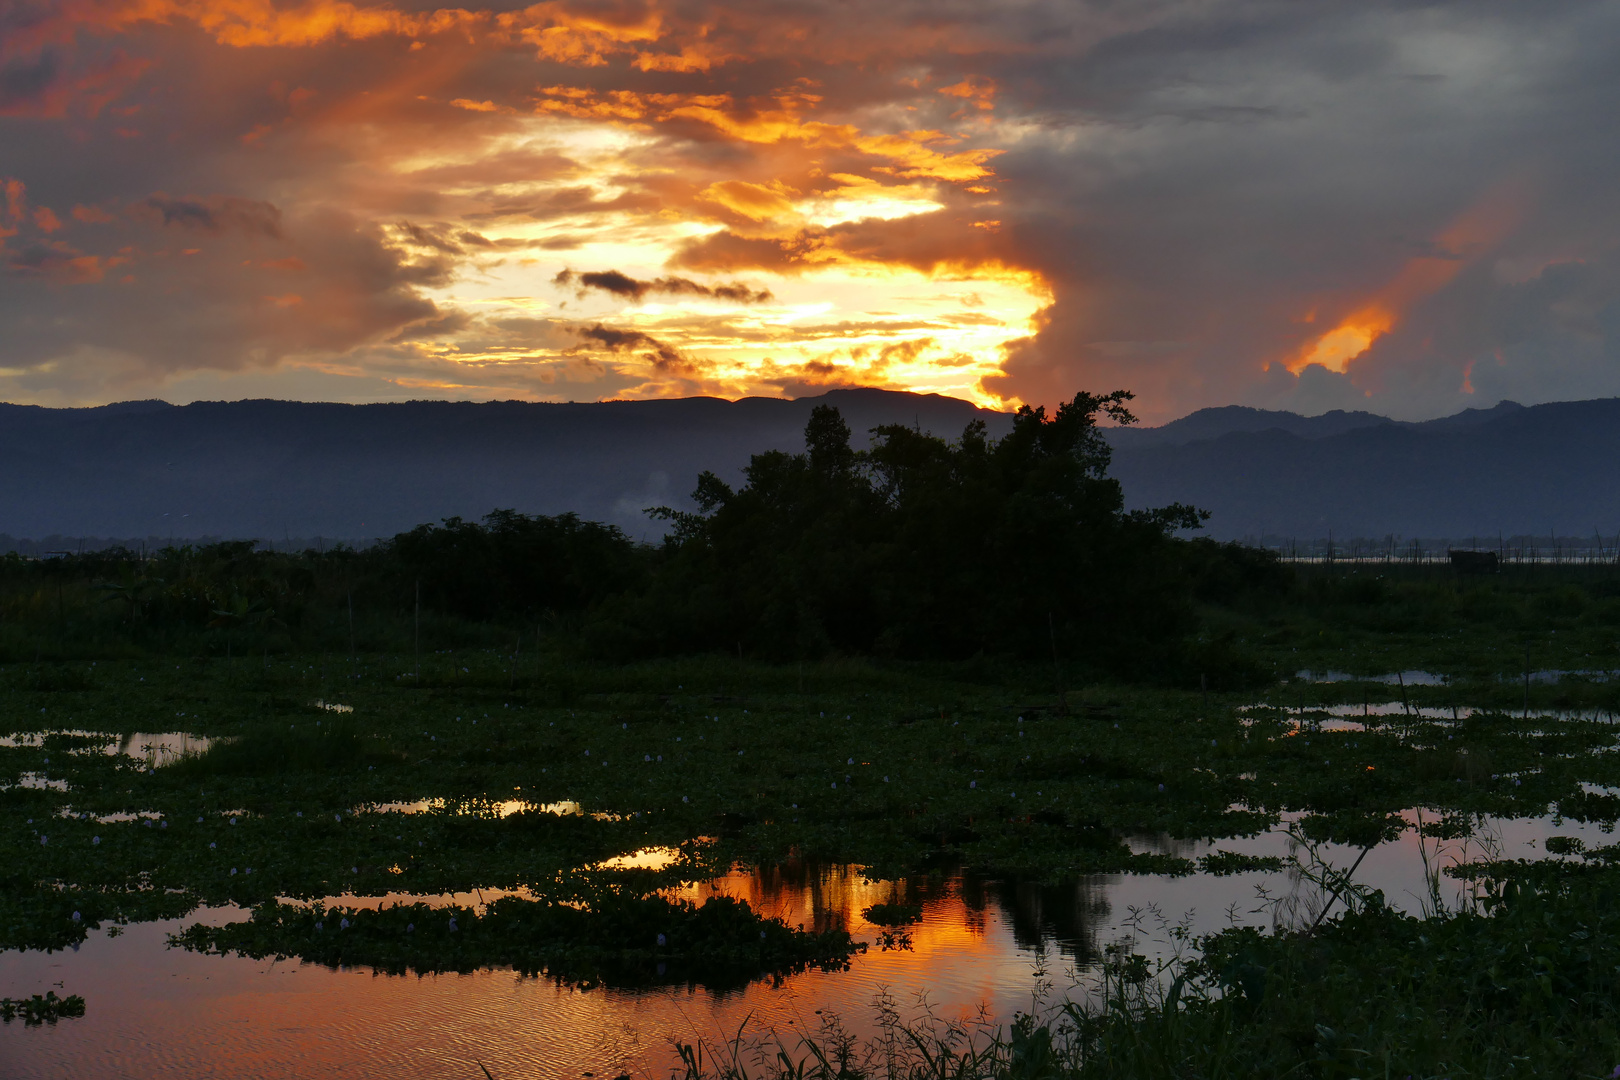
1471	235
91	215
977	90
16	198
909	151
756	201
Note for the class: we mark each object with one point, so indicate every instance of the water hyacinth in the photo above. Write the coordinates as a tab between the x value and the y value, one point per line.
95	840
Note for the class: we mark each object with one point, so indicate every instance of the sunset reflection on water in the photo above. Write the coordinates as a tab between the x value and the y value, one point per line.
983	950
977	951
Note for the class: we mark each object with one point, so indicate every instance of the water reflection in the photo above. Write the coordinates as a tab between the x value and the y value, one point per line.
981	944
153	748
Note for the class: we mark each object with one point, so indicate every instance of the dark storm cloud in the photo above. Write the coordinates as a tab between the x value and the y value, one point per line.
628	288
664	356
215	214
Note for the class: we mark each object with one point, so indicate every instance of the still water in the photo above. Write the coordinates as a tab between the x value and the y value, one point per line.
983	950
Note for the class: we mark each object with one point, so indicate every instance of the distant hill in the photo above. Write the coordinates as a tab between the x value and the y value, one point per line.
1227	419
275	469
1511	470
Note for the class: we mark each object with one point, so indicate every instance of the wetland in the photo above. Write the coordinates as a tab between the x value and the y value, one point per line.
922	761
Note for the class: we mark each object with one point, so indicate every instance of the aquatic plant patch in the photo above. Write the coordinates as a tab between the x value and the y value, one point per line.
616	939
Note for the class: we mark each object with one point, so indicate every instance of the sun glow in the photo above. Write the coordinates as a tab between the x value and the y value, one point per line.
1335	349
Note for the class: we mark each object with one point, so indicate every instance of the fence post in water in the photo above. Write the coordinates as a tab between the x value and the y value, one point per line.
417	644
1400	677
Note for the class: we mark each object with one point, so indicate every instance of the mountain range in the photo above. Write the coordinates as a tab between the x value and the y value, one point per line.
276	470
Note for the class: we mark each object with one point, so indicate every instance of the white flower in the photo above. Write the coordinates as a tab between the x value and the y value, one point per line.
973	783
75	916
95	839
661	941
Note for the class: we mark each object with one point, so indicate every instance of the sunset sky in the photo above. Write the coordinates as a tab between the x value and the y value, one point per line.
1406	208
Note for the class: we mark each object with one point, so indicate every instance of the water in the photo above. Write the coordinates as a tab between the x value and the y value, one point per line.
155	749
1410	678
1543	677
983	949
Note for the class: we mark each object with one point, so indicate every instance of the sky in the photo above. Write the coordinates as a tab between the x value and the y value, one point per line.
1402	207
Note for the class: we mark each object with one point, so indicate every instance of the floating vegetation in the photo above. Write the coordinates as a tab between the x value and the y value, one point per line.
892	914
615	939
44	1008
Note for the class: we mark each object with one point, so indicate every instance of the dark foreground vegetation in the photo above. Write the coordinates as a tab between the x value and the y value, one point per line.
1022	683
917	549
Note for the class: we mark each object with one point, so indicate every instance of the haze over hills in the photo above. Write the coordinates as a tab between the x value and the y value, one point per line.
277	469
1509	470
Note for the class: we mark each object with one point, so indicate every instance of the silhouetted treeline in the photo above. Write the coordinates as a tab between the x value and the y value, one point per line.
919	547
914	548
